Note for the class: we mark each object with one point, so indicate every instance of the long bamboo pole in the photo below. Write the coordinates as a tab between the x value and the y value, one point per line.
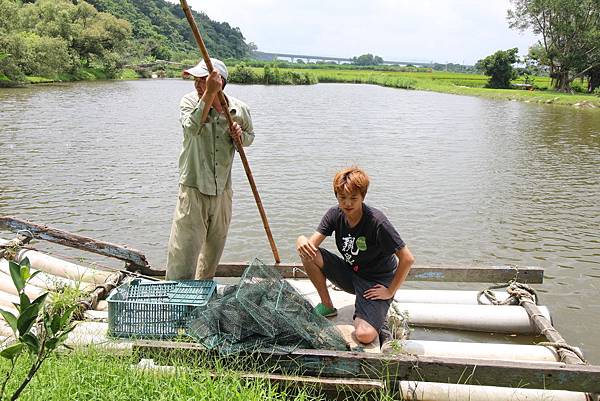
237	143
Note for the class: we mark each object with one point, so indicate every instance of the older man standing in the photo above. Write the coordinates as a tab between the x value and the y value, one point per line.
203	212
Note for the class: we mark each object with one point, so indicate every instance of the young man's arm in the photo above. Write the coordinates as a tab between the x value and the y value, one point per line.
405	261
309	246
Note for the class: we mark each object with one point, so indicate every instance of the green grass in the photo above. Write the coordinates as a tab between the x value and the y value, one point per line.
38	80
435	81
454	83
128	73
89	374
83	74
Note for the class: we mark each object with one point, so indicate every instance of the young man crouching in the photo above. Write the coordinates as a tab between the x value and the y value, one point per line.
375	260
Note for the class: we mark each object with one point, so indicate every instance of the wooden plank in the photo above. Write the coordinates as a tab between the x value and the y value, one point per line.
556	376
137	261
327	384
472	274
322	383
50	234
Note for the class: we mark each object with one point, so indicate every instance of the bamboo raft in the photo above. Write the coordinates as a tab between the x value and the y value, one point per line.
421	370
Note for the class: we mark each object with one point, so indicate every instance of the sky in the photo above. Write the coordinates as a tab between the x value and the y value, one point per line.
443	31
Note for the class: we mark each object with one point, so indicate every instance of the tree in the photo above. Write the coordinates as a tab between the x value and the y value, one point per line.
367	59
103	33
8	16
88	32
570	35
252	47
499	68
165	22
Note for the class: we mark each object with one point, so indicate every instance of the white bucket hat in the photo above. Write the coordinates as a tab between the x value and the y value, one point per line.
200	70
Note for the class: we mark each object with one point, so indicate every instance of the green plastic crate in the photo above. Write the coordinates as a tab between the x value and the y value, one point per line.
149	309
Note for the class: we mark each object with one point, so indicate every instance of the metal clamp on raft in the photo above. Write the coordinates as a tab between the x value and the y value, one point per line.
10	250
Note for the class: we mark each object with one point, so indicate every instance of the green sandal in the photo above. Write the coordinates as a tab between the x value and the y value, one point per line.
325	310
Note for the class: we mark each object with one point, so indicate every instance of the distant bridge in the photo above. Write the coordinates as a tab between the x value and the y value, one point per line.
293	57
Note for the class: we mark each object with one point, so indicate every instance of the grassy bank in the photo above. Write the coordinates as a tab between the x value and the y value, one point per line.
435	81
454	83
84	74
95	375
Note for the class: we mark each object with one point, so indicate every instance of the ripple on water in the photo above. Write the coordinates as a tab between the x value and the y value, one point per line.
465	180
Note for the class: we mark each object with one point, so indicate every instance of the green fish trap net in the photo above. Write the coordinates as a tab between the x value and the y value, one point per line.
263	312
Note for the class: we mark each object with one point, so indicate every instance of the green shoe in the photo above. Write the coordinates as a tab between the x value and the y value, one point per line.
325	310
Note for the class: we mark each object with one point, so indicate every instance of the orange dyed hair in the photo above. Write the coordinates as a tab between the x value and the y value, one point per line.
351	179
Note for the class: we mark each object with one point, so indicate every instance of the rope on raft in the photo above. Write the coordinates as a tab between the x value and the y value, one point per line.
520	293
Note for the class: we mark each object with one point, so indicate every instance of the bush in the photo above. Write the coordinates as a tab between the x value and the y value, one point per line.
276	77
578	87
242	74
11	48
31	54
402	83
112	62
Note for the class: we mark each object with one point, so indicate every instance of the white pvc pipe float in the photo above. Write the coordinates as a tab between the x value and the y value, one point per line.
7	300
47	281
6	285
488	318
92	315
5	330
445	297
102	305
61	268
508	352
426	391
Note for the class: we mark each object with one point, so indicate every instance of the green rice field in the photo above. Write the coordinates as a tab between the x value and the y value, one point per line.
449	82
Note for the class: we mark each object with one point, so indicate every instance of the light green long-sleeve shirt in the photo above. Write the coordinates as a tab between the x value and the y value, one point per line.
207	153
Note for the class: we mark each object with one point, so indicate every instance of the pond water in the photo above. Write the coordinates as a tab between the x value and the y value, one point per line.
465	180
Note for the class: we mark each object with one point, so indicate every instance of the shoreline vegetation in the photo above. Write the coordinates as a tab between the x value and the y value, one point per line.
46	41
282	73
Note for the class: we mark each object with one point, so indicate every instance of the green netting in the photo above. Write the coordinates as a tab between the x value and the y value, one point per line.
263	312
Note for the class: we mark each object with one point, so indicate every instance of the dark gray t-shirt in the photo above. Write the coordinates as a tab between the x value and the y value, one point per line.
367	248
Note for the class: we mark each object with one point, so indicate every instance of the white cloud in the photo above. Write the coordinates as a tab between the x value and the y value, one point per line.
439	30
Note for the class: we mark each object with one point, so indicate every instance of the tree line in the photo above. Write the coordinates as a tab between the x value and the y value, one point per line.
53	37
162	30
64	39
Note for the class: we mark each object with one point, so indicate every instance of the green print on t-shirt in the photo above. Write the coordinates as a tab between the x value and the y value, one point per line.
361	243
